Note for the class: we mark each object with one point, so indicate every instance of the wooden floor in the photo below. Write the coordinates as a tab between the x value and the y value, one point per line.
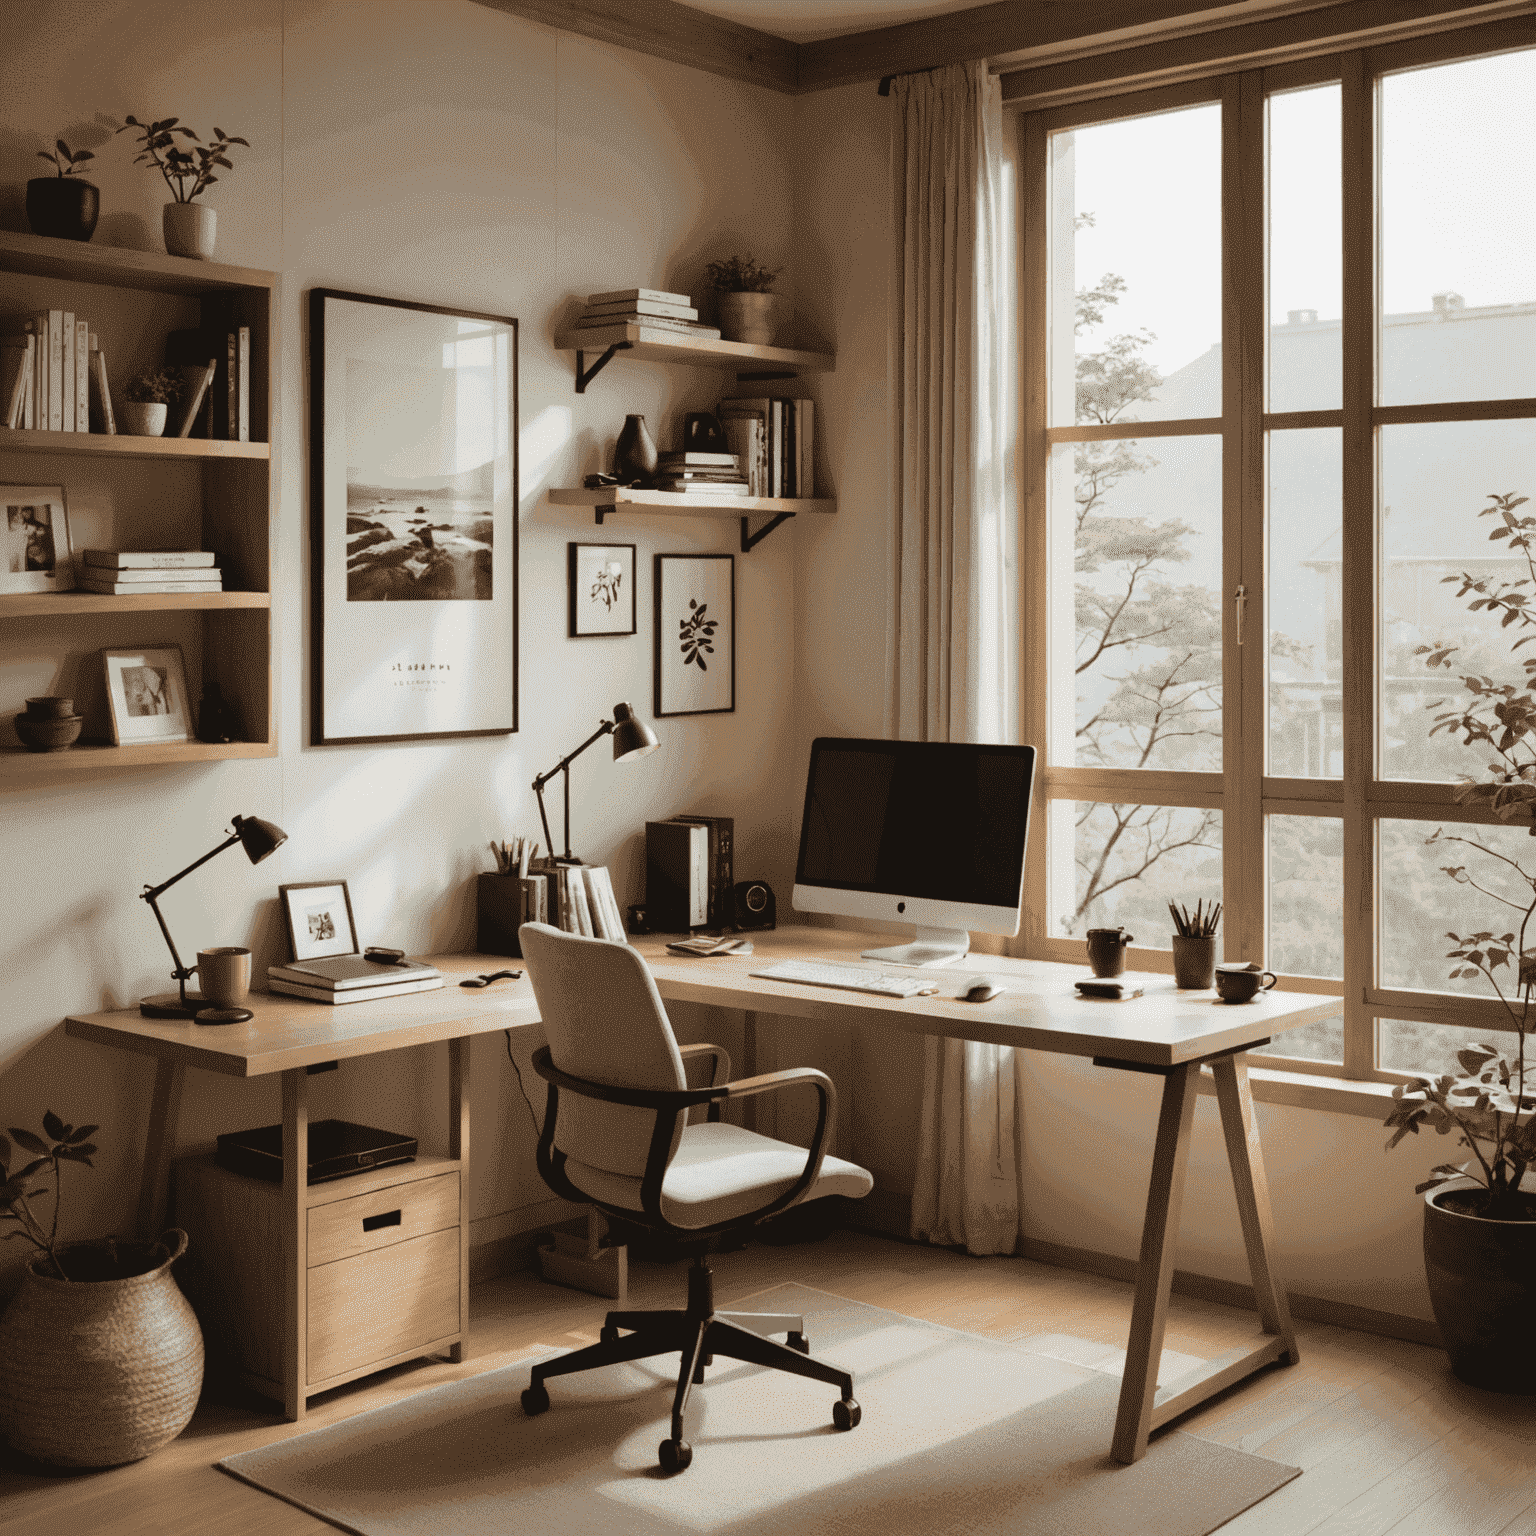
1388	1440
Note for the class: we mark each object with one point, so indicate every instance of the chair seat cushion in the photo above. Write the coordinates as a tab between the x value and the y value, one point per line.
721	1172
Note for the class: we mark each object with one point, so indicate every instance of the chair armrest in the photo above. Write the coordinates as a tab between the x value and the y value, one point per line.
719	1069
826	1118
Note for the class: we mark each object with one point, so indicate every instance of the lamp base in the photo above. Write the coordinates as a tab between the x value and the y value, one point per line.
168	1005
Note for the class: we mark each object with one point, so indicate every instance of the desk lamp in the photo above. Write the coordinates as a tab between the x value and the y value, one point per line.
632	738
258	838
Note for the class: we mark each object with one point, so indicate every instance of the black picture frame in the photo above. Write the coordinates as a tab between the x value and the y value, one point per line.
590	601
400	393
695	663
301	946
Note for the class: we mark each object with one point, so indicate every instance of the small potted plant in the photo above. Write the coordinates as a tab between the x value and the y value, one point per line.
60	205
101	1357
147	399
189	227
749	309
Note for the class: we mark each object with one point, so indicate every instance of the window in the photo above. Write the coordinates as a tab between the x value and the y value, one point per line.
1281	332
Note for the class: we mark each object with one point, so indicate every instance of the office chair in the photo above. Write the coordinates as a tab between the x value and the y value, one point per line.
615	1137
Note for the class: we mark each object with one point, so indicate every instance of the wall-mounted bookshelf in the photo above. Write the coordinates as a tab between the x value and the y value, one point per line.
652	344
609	499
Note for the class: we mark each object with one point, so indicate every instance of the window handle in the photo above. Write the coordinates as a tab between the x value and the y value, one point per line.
1241	602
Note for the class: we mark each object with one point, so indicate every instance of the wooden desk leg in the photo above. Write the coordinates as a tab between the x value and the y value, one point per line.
1246	1158
458	1147
1154	1270
749	1068
295	1240
159	1147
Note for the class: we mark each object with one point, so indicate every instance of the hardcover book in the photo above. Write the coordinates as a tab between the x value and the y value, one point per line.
352	994
89	583
148	559
342	972
676	875
638	295
722	836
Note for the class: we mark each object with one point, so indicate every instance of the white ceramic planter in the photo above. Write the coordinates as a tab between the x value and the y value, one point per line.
751	317
142	418
189	230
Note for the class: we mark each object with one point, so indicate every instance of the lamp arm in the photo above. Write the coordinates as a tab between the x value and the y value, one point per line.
566	761
564	766
149	894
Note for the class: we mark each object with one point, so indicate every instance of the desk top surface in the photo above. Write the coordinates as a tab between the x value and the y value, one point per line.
1039	1011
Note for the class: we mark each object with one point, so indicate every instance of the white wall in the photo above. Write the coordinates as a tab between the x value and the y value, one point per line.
438	151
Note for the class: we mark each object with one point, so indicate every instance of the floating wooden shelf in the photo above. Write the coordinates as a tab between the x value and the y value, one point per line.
617	498
37	605
655	345
122	445
84	757
80	261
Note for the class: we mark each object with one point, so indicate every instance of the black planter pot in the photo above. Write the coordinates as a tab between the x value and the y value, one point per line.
634	455
1482	1285
62	206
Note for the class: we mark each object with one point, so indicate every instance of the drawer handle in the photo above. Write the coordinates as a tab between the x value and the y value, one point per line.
383	1219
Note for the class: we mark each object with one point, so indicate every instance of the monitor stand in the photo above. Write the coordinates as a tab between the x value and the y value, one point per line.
932	946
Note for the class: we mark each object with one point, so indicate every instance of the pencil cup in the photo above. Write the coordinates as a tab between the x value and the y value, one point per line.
224	976
1194	961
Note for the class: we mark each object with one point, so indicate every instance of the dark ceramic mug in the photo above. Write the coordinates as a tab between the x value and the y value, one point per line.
1239	981
1106	950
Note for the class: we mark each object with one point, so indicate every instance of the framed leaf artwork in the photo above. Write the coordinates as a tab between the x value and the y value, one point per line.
695	634
602	589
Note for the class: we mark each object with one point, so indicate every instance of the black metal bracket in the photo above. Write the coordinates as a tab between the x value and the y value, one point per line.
749	541
585	375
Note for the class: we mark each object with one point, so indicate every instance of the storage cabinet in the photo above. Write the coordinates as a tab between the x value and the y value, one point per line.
143	492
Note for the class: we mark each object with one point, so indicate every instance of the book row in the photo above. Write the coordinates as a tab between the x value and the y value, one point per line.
774	442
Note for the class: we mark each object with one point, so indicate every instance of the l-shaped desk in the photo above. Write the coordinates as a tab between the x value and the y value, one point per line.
1166	1033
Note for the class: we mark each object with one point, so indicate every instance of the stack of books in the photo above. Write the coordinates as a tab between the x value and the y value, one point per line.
215	366
648	307
340	979
773	439
715	474
124	572
53	376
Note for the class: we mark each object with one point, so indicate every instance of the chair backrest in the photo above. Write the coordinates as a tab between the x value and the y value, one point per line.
604	1021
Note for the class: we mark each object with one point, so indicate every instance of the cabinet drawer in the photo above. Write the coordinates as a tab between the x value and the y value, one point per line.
381	1304
382	1218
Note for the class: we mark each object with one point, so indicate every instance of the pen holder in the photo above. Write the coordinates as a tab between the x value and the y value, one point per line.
1194	961
498	914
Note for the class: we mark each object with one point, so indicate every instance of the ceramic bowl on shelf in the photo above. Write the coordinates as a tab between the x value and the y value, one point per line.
49	724
50	707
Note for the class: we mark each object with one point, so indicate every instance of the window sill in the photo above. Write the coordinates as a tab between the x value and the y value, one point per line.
1303	1090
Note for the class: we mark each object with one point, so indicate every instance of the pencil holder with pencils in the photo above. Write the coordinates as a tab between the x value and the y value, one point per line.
1194	946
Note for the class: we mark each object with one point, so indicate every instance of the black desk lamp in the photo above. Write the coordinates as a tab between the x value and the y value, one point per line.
259	838
632	738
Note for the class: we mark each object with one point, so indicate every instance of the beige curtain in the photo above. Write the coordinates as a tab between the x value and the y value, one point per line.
953	645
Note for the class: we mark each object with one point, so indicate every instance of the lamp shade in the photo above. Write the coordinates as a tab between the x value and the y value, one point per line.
631	737
258	837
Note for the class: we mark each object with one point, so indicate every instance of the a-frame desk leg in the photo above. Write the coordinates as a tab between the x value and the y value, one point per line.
295	1240
458	1147
159	1147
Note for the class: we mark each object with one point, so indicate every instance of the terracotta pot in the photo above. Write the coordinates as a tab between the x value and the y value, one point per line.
141	418
62	206
94	1373
753	317
189	230
1482	1285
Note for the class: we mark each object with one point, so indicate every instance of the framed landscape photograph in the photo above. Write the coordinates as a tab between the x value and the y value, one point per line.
319	918
34	539
602	589
413	503
695	634
147	695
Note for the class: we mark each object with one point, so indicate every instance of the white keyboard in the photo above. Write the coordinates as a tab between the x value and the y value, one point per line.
852	978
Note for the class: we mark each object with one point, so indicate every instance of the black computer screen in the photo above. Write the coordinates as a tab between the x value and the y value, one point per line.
942	820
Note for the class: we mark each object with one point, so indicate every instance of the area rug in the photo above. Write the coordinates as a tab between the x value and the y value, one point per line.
959	1433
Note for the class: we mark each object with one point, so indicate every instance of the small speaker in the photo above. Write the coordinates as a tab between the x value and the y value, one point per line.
752	905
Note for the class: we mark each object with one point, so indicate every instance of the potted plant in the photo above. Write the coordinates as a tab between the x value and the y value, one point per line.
749	309
1479	1219
59	205
101	1357
147	398
189	227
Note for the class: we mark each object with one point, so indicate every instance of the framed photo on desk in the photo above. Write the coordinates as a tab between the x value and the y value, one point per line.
318	914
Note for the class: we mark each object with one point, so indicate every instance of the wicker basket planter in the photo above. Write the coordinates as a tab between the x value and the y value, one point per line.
94	1373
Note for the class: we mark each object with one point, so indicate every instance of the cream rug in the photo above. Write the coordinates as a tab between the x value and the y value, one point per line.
959	1433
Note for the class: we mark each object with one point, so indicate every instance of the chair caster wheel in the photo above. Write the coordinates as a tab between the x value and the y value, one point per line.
800	1342
846	1414
535	1400
674	1456
609	1335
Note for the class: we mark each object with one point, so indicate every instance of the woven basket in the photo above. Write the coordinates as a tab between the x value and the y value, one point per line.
94	1373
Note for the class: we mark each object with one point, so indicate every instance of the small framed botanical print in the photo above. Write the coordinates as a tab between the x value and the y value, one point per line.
147	695
319	918
34	539
602	596
695	634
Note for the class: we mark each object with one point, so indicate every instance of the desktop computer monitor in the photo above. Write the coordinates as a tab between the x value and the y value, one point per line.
927	832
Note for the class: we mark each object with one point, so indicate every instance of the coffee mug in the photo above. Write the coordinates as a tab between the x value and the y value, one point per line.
1106	950
225	976
1239	981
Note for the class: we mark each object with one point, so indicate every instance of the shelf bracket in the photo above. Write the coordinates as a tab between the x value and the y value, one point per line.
599	513
749	541
584	375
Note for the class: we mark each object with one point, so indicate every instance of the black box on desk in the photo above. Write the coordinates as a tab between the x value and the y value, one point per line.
499	905
676	876
336	1148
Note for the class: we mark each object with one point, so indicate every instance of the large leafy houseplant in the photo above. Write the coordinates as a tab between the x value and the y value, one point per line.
22	1190
1489	1103
186	173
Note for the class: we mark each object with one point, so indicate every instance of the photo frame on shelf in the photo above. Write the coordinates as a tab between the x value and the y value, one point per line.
602	590
413	502
35	552
695	634
147	695
318	915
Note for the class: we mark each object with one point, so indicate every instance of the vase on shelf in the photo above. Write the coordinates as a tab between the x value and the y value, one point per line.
751	317
189	230
634	455
142	418
62	206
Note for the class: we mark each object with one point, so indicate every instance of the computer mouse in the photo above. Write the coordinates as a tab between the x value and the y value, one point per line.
981	989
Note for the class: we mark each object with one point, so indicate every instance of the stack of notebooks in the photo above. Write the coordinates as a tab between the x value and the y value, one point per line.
714	474
53	376
351	979
773	440
129	572
648	307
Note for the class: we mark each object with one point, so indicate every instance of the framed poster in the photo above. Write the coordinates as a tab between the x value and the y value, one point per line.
602	589
695	634
147	695
413	520
319	918
34	539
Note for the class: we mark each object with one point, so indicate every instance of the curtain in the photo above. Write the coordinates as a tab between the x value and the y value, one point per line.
953	641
